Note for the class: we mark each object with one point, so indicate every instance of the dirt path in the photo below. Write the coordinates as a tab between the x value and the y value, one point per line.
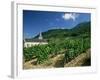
58	60
29	64
79	60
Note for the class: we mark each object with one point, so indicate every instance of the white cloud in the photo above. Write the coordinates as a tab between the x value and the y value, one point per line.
68	16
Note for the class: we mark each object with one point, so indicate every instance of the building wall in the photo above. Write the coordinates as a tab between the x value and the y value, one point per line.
29	44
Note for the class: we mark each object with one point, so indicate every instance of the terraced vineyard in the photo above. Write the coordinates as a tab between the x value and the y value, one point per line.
56	54
65	48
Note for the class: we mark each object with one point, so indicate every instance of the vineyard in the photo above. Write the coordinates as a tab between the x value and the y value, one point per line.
70	48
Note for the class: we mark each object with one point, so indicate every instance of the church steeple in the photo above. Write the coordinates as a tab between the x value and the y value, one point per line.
40	36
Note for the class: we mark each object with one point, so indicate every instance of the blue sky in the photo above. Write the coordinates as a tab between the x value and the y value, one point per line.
40	21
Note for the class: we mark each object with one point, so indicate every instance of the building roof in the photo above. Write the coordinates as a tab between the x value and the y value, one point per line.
35	40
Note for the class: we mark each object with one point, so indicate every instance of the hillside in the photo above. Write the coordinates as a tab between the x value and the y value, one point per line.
65	48
82	29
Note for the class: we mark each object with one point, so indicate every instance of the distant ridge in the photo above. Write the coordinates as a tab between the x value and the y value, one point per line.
80	29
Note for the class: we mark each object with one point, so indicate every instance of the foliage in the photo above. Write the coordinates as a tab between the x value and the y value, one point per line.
74	48
75	41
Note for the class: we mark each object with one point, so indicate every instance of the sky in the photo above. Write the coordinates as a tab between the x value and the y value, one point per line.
35	22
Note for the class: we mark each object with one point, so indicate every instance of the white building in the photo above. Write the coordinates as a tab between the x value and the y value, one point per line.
32	42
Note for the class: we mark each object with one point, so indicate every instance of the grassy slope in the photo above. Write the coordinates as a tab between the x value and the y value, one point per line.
80	29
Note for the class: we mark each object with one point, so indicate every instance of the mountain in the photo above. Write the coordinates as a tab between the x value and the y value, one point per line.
55	33
82	29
